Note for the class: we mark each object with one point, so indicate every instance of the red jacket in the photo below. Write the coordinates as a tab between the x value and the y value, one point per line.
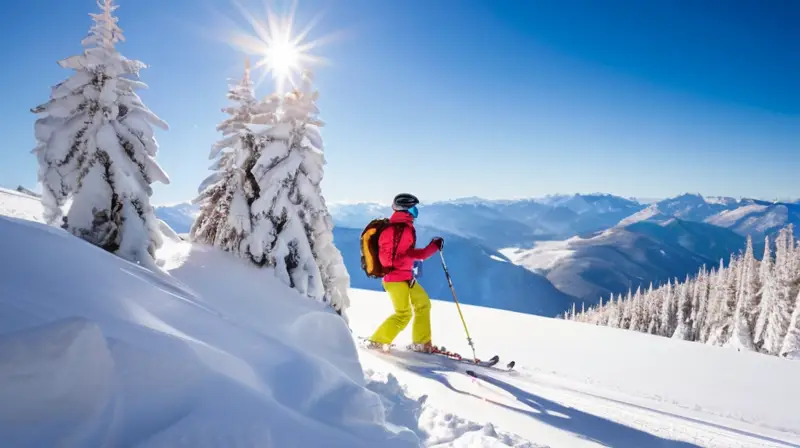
405	253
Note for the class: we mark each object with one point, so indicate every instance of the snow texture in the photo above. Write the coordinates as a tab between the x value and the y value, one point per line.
435	428
96	148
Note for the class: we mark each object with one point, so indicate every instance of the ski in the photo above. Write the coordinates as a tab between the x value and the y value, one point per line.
491	362
442	351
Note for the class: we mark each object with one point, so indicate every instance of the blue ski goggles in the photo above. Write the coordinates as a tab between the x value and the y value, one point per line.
414	211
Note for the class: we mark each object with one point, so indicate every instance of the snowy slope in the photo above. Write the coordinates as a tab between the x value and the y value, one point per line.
582	385
96	351
213	352
210	352
20	205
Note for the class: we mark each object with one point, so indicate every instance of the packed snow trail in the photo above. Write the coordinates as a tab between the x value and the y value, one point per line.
581	385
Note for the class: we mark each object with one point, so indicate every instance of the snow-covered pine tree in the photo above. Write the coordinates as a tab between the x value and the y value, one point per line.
723	320
300	106
654	300
614	315
669	319
225	196
791	343
780	310
638	312
96	148
626	311
684	302
766	294
751	283
292	228
700	305
716	296
602	313
746	303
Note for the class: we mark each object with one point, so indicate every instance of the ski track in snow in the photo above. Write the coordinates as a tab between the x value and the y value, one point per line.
436	428
595	418
556	399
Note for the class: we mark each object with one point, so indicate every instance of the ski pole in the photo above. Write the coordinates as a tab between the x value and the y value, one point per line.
453	290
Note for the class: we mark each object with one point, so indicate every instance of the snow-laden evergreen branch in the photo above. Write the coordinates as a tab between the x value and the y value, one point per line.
96	148
292	228
227	194
749	304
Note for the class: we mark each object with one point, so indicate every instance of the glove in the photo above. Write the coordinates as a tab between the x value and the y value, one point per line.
438	242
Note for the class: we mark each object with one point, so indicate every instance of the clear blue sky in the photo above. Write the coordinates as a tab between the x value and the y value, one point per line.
452	98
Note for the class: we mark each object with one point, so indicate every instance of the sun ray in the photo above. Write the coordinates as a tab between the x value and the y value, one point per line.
314	21
281	54
271	42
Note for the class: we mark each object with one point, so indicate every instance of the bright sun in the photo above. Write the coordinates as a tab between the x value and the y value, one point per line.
281	54
282	59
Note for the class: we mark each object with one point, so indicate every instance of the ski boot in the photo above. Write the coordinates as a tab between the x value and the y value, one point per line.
423	348
372	345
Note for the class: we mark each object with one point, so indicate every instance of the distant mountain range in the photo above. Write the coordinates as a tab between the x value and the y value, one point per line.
540	255
620	258
744	216
507	223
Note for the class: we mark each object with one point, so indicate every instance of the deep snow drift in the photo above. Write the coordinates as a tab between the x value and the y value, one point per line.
96	351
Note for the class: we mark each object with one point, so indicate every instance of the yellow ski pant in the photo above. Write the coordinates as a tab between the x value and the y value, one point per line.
404	297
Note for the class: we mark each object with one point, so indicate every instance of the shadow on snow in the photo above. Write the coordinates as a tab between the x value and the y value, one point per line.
582	424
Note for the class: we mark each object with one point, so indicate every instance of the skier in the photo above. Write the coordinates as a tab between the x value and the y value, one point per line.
396	251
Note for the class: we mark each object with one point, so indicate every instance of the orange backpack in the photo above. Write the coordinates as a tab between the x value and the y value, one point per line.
370	251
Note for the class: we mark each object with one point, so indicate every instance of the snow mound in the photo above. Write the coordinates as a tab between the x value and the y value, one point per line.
436	428
59	378
97	351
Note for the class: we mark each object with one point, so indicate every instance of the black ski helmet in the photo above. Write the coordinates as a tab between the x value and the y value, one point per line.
404	201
